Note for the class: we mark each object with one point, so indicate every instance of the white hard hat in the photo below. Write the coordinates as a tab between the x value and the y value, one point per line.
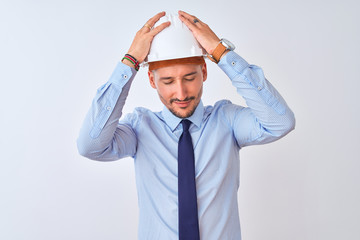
175	41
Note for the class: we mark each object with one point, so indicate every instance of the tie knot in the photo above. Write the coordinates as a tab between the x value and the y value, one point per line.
186	124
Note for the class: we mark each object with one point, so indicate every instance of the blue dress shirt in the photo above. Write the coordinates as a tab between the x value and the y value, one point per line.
218	133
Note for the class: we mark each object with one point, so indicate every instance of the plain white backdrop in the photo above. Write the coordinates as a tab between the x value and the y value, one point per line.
55	54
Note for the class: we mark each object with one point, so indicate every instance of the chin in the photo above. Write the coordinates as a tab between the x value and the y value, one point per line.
183	113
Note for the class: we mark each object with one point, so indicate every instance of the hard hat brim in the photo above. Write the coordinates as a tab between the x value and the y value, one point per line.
166	63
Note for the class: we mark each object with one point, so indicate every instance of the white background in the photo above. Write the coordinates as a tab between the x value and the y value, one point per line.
55	54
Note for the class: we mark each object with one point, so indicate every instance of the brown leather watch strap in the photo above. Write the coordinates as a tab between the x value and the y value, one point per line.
218	52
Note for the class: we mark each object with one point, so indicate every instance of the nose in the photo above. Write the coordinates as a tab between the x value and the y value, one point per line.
181	91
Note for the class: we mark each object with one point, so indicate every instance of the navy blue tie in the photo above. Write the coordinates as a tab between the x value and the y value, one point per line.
188	212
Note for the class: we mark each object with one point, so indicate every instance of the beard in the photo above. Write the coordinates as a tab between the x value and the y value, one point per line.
182	114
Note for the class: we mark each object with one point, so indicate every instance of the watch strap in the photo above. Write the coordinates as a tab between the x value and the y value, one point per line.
218	52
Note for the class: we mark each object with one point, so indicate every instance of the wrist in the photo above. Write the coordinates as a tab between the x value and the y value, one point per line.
217	53
214	45
131	61
222	48
127	62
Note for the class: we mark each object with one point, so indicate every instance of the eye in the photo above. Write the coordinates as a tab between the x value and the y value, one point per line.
189	79
168	82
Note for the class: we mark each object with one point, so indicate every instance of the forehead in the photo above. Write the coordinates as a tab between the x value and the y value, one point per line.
177	70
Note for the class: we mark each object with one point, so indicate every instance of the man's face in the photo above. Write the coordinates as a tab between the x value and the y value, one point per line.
179	87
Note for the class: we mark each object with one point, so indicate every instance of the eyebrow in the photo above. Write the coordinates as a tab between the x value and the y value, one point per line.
186	75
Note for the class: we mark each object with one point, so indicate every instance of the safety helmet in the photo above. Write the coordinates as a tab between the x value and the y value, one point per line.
174	42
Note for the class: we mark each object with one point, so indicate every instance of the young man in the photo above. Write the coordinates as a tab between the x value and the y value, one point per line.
186	156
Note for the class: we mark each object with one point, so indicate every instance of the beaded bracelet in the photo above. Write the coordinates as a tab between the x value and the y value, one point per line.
133	61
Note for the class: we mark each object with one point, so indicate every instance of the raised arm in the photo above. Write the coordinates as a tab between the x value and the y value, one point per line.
101	136
267	117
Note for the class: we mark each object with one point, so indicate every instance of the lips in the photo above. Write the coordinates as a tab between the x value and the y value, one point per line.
183	104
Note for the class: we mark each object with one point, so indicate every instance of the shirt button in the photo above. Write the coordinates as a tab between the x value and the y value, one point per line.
259	88
108	108
233	63
125	76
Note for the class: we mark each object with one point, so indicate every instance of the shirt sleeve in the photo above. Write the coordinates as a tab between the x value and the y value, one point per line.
101	137
267	117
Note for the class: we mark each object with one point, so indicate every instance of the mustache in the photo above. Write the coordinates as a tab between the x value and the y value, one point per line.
184	100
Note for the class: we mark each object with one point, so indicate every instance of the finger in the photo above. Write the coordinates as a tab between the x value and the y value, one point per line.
190	24
188	16
155	18
159	28
146	27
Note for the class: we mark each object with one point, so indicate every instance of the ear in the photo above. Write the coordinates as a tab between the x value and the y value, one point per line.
152	79
204	71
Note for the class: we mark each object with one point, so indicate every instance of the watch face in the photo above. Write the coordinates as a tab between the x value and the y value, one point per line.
228	44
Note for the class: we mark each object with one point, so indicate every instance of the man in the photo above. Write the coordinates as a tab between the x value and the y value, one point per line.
186	156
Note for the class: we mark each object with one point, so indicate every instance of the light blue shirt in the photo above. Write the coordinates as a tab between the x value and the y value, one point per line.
218	133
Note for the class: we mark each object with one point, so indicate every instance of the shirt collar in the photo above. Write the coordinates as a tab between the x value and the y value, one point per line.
173	121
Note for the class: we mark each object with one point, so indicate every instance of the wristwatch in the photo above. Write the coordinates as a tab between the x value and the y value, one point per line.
223	45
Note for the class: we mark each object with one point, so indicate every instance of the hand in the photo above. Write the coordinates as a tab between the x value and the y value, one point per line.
201	31
140	46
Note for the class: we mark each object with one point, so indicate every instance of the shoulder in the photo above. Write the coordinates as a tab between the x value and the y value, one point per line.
224	110
226	107
139	115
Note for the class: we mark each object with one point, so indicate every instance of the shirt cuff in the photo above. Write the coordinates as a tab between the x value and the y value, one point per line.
122	74
232	64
